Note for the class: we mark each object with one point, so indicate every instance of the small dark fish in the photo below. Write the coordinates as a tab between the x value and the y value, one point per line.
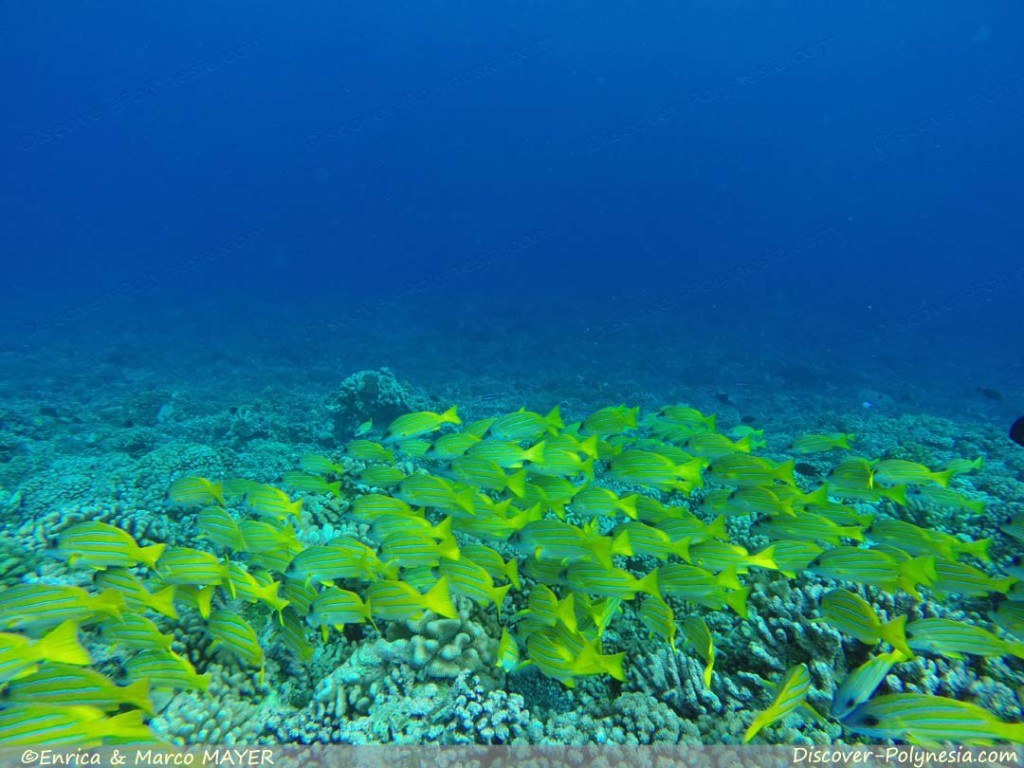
723	398
1017	431
805	469
748	419
991	394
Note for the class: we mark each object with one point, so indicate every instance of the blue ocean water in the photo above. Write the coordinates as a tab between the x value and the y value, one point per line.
834	187
771	210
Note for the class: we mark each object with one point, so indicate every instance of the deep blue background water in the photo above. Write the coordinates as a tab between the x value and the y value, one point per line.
524	183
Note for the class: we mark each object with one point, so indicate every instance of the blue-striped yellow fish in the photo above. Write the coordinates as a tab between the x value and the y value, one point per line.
100	546
235	635
195	492
658	617
929	721
526	425
954	638
420	423
790	694
698	634
860	684
38	606
391	599
21	655
64	685
42	724
854	616
166	670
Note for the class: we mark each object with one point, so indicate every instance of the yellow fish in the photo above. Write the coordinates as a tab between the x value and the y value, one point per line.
791	694
99	546
420	423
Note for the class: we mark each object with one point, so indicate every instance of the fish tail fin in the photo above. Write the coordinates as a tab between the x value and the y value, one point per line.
1015	648
163	602
449	547
466	501
558	507
204	601
566	613
612	664
110	602
895	634
786	472
137	694
649	584
628	506
517	483
498	596
681	549
553	420
621	545
535	453
1011	732
227	580
439	599
217	491
512	573
149	555
587	467
588	447
451	416
737	600
61	645
279	605
743	444
717	530
127	726
764	559
762	719
897	494
851	532
729	579
818	497
709	668
979	549
691	472
443	530
535	513
267	594
335	488
943	478
1003	585
921	569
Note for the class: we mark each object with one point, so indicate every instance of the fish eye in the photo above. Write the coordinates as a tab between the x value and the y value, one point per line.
871	721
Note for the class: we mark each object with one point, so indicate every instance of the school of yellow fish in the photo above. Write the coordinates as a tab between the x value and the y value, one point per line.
527	503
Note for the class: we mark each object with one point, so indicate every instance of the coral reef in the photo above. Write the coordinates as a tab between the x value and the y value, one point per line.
441	648
375	395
